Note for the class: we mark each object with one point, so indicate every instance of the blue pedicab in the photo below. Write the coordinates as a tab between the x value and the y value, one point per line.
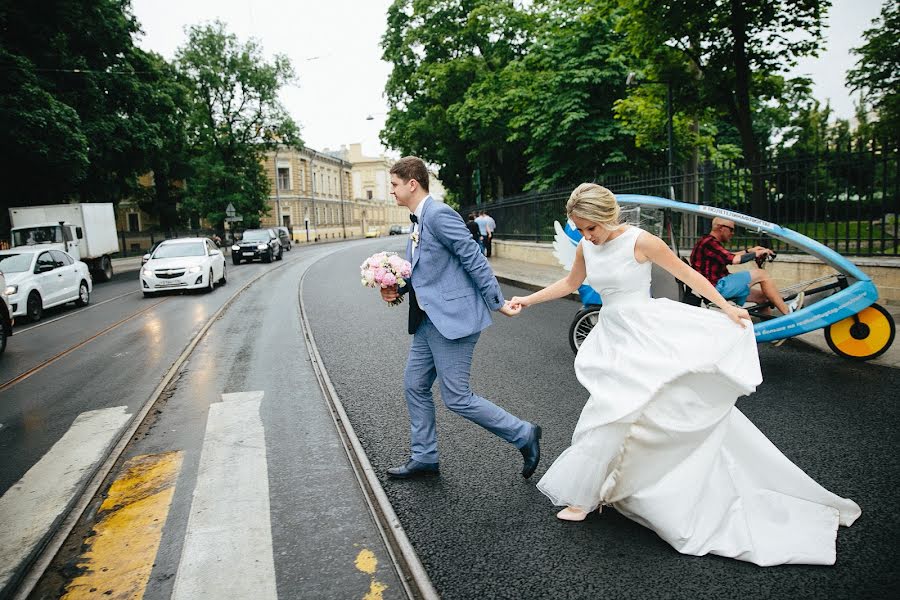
843	303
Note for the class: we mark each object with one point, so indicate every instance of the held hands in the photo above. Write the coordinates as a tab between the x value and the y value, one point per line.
390	293
509	309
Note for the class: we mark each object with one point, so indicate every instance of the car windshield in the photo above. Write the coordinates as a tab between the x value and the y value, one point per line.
15	263
176	250
37	235
258	235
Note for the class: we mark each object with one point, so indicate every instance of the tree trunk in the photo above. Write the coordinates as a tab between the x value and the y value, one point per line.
741	112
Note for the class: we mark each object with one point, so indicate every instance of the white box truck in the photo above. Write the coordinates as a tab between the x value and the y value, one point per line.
86	231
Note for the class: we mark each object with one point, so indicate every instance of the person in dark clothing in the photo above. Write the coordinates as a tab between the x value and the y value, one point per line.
473	228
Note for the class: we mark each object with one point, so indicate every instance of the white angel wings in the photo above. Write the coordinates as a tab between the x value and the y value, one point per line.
563	247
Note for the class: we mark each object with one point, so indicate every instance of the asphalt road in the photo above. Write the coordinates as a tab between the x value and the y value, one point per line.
108	359
482	531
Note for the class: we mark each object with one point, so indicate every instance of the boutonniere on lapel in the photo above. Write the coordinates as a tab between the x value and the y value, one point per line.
414	236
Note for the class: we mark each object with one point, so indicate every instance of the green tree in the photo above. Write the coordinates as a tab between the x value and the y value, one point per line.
877	73
726	53
168	159
235	117
73	114
562	92
445	90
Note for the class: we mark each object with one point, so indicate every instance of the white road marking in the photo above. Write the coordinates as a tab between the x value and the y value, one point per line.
29	508
227	549
73	313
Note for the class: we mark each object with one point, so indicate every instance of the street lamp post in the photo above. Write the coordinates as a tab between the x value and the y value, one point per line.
633	81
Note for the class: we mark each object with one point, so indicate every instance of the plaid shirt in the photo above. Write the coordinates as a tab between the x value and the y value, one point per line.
709	259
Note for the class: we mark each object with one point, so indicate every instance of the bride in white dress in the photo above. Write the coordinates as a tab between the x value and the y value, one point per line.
660	439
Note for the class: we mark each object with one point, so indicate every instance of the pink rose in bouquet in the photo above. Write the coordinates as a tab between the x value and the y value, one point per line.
385	269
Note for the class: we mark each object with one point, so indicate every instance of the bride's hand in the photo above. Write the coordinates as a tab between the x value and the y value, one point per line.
519	302
737	315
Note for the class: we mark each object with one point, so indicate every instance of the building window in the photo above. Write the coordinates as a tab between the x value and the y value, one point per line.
284	178
368	194
134	222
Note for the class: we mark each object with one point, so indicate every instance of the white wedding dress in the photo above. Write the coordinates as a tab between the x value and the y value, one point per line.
661	441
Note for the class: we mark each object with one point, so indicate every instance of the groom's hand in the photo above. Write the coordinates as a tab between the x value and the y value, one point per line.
510	311
390	293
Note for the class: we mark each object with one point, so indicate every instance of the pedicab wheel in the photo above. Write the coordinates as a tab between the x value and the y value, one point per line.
582	324
864	336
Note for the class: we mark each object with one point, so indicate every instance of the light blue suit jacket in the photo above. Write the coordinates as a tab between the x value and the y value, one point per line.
453	281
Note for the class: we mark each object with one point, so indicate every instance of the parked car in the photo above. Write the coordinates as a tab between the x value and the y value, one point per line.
183	264
406	229
395	230
284	237
6	320
37	279
372	232
257	243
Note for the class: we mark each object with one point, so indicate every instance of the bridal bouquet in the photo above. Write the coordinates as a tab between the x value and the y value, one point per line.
385	269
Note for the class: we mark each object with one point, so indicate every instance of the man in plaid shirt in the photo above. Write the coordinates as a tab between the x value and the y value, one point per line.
710	258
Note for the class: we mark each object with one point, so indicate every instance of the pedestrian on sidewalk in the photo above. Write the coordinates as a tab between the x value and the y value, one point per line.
492	228
484	228
473	229
452	292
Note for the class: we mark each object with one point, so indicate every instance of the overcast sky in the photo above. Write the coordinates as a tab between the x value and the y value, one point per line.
334	46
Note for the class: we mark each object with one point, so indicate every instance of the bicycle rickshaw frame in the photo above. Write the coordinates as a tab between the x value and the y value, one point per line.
855	327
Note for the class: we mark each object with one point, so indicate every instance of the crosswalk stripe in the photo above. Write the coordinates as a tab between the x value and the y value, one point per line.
124	542
30	507
227	551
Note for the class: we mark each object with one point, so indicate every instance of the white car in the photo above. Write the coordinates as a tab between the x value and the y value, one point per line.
38	278
183	264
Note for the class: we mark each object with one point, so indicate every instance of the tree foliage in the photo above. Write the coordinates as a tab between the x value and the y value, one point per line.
518	95
234	117
877	73
76	116
725	53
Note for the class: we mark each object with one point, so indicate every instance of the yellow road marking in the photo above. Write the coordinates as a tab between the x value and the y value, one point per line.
122	549
367	562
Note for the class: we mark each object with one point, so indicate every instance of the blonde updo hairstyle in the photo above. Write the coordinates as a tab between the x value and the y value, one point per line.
594	203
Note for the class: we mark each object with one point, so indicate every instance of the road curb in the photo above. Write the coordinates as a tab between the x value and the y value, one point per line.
409	568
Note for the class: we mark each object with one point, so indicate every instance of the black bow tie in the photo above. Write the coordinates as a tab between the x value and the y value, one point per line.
413	218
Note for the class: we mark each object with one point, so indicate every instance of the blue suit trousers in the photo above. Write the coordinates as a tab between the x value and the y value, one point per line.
432	356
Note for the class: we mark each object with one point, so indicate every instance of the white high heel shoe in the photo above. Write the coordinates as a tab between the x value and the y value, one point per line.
570	513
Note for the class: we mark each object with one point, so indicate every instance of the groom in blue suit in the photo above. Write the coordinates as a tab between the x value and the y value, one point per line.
452	292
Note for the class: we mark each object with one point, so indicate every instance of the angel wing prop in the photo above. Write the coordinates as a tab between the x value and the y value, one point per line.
563	247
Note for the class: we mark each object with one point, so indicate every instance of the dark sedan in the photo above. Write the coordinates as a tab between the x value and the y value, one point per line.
260	244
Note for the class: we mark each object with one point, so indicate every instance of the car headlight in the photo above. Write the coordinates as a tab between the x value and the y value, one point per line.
235	247
147	273
194	269
11	289
261	247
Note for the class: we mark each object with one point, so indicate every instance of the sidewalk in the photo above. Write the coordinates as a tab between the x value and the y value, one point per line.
123	265
534	277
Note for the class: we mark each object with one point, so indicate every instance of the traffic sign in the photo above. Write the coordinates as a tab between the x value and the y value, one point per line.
233	219
230	212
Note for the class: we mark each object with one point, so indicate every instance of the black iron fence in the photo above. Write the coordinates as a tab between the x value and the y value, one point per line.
846	198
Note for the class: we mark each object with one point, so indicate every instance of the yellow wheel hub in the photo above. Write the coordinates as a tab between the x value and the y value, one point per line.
864	336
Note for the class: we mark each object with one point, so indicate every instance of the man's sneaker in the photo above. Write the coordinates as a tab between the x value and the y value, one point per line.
797	303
